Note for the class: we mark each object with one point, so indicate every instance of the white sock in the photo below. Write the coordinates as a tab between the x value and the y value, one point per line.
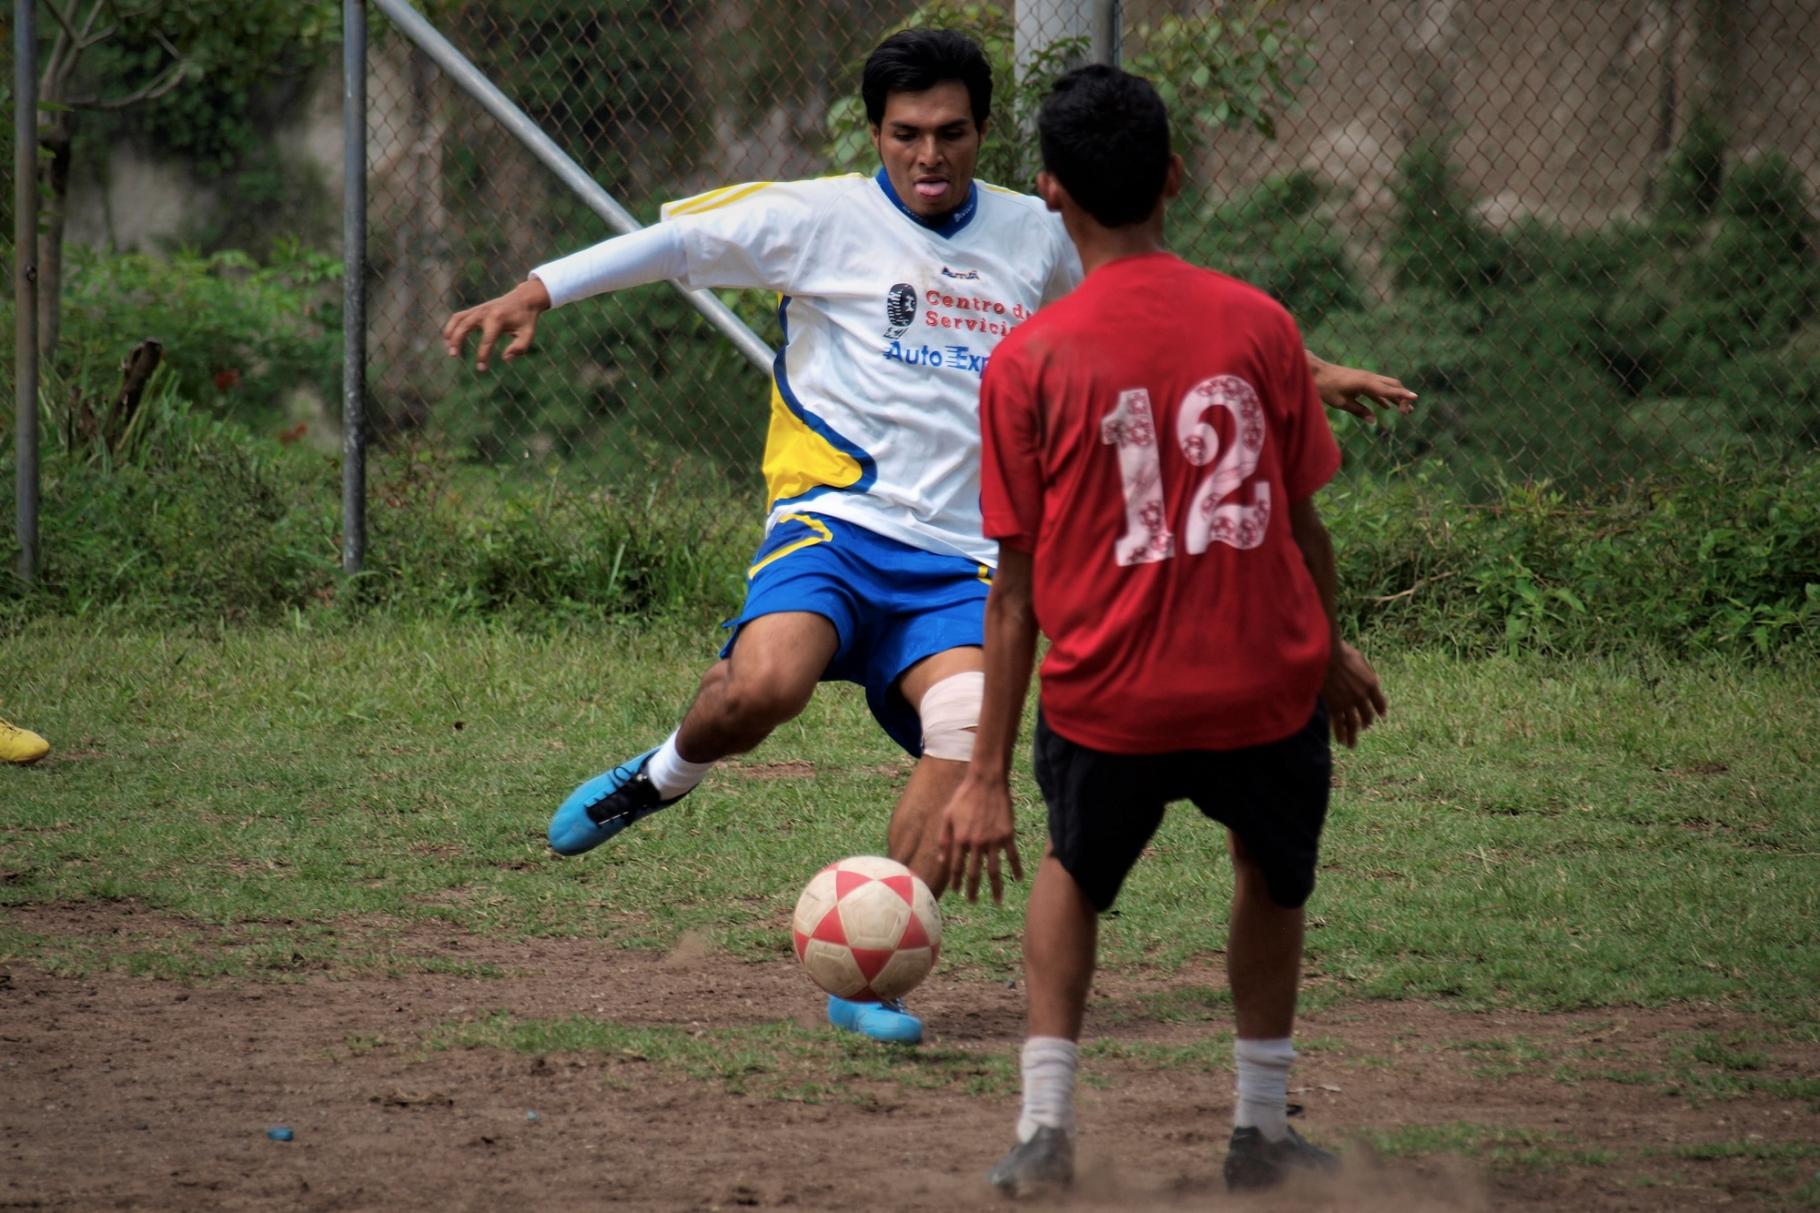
1263	1091
1049	1063
672	774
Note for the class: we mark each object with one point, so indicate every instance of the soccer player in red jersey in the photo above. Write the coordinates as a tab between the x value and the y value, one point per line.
1152	446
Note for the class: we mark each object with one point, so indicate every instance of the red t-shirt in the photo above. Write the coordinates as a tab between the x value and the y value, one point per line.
1144	438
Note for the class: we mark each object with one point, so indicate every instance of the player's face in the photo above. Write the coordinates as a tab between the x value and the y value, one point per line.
929	144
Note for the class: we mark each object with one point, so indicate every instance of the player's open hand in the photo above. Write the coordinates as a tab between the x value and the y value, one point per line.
1354	391
976	826
1354	699
513	314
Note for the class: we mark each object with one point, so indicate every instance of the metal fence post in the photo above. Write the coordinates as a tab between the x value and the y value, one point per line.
1108	16
25	279
354	284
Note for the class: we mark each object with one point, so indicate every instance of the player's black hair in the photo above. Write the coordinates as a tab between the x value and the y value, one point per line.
912	60
1105	137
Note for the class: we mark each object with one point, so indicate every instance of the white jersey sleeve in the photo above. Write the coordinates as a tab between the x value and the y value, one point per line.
648	255
754	235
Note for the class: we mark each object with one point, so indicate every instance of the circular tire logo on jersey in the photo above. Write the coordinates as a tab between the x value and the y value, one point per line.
900	309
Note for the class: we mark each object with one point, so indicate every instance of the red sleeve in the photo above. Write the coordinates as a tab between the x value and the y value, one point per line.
1011	467
1310	454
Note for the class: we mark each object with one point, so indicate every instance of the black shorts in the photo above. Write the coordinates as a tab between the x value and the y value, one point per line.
1103	808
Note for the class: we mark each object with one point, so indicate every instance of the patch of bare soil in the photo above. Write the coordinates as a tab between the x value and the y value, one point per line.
124	1092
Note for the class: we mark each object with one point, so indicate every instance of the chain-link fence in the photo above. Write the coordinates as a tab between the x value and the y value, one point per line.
1582	232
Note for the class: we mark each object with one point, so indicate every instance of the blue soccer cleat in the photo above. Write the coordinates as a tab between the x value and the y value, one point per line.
605	805
887	1021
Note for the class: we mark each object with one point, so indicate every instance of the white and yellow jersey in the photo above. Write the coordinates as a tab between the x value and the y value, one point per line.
888	323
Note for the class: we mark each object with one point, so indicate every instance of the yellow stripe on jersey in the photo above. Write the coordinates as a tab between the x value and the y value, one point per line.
714	199
797	459
822	535
726	195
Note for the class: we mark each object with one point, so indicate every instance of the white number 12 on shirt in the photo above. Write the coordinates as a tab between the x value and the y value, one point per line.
1131	427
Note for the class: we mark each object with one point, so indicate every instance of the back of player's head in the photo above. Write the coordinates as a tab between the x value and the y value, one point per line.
913	60
1105	138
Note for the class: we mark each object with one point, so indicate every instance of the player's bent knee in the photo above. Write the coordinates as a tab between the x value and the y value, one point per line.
951	715
753	704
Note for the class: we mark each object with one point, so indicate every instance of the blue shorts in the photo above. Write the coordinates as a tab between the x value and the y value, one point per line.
891	605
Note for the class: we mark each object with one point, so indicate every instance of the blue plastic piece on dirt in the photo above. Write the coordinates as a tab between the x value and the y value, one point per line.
532	1116
280	1133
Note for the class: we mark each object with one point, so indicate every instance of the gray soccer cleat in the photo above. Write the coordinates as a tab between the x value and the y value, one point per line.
1045	1163
1252	1162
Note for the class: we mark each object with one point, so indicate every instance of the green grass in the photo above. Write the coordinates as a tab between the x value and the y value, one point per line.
1524	832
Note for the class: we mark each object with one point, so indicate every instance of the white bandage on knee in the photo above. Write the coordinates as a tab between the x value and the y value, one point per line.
951	712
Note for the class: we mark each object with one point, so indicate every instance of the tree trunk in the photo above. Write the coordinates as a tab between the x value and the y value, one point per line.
54	136
135	374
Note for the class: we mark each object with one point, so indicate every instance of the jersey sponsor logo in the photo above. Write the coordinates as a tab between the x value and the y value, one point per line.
971	313
951	357
900	309
970	275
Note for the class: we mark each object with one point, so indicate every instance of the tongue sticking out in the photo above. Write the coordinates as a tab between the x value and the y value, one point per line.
931	189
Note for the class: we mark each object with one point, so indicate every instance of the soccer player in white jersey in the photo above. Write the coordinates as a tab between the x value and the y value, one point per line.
893	291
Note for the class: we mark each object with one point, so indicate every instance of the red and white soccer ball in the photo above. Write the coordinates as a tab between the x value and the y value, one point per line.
867	928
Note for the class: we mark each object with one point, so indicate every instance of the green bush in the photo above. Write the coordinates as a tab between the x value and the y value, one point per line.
1687	190
449	540
623	384
612	387
194	519
1276	238
1722	556
237	335
1756	282
1436	242
1589	358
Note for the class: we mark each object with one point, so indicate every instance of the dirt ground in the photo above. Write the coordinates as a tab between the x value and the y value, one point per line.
119	1092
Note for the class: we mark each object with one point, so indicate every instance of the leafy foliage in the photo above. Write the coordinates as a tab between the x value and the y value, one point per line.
605	72
1276	238
1687	190
238	336
1717	557
194	519
1590	356
230	54
1436	241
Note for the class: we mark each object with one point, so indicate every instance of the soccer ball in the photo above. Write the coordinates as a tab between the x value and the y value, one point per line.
867	928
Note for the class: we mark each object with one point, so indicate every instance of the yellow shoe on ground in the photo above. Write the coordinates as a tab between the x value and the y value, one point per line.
21	746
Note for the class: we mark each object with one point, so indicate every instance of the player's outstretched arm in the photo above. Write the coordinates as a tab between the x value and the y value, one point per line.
1354	698
978	823
512	314
647	255
1354	391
